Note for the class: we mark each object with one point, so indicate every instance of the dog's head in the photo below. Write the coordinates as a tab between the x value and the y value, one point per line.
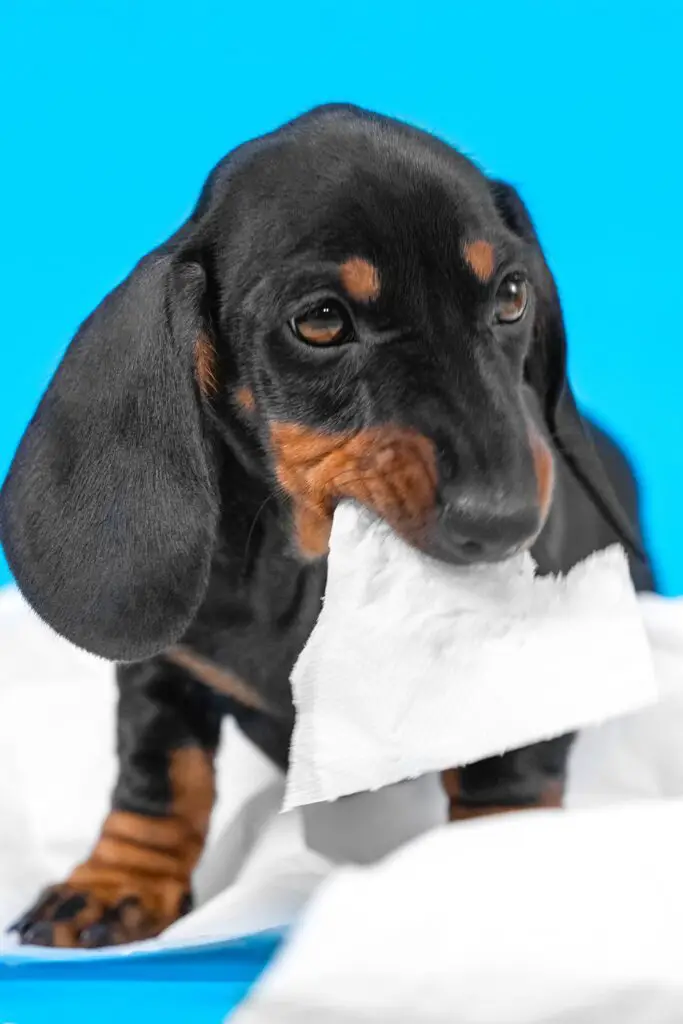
369	314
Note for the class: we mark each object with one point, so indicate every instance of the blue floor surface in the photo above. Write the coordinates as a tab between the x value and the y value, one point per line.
191	986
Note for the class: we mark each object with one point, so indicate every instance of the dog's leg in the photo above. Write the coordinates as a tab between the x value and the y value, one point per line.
137	879
531	777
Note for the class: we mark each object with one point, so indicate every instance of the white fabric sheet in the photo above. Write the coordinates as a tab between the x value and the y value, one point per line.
614	874
546	918
57	768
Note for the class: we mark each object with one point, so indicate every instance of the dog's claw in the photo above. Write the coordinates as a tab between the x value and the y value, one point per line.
24	923
96	936
39	934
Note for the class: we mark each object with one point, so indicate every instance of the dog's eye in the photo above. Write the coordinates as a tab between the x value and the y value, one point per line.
511	298
325	324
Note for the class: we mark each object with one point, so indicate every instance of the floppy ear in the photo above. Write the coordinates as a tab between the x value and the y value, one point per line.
547	373
109	513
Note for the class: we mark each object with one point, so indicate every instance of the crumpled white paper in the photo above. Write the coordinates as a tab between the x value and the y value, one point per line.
415	666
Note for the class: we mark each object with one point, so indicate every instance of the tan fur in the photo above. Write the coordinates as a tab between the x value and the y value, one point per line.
545	472
480	257
205	365
142	862
391	470
360	279
551	797
215	676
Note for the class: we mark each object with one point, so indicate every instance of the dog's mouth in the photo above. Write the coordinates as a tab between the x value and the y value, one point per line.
393	472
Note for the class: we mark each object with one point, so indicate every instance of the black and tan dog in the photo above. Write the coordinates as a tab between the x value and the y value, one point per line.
353	309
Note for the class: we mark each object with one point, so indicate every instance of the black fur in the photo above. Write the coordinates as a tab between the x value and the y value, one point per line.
160	710
140	512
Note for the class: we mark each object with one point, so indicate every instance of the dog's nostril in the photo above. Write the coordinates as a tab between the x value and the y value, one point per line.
485	528
471	548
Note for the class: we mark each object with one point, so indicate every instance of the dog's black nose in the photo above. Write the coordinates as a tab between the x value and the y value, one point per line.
485	528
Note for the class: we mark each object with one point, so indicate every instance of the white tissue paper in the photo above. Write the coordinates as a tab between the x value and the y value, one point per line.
415	666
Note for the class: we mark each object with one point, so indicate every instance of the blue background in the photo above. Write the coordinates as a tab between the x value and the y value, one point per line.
113	113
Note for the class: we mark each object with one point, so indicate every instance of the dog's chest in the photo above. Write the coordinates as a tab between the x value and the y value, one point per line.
260	607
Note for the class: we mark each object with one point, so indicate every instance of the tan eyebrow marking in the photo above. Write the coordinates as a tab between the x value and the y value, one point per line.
205	365
479	255
360	279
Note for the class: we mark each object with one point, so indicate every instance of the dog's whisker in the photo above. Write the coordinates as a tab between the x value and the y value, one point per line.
254	522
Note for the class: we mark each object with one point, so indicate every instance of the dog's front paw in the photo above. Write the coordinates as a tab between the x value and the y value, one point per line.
135	884
107	911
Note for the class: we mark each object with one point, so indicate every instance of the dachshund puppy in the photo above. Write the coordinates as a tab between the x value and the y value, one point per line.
353	310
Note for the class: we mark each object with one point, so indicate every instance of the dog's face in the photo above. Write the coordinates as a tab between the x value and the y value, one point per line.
368	310
380	313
